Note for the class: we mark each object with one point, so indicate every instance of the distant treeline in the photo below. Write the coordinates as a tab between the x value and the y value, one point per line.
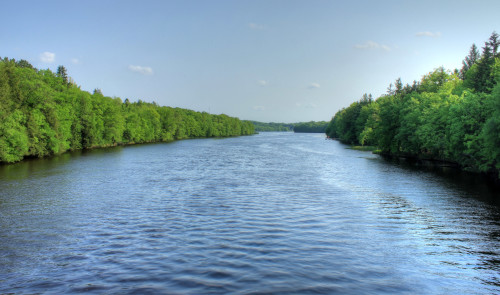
264	127
449	116
309	127
44	113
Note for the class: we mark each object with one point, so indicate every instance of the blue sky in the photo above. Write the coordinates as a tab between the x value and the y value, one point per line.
272	60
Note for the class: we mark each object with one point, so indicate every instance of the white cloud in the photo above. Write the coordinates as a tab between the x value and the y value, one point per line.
47	57
428	34
259	108
255	26
314	85
372	45
306	105
263	83
75	61
141	70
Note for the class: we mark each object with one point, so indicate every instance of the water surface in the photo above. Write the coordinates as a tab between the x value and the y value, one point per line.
275	213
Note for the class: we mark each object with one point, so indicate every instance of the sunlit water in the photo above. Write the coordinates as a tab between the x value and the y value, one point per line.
275	213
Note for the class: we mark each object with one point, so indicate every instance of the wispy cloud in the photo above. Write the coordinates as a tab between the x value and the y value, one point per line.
428	34
75	61
306	105
141	70
259	108
372	45
314	85
48	57
263	83
255	26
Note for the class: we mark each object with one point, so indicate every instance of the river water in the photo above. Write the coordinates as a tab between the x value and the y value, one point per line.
274	213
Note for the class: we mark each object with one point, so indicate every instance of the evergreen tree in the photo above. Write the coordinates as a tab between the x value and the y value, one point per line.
483	80
399	86
469	60
390	90
439	118
415	86
494	42
24	64
62	73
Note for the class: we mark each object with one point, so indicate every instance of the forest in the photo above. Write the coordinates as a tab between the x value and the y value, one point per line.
268	127
310	127
451	116
43	113
303	127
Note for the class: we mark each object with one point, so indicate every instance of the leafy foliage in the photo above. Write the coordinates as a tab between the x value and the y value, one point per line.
446	116
43	113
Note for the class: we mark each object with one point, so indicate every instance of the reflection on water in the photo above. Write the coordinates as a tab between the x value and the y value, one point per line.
477	186
273	213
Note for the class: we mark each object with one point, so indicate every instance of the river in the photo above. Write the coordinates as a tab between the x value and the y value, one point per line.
274	213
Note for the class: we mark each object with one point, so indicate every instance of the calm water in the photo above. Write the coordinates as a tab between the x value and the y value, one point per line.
275	213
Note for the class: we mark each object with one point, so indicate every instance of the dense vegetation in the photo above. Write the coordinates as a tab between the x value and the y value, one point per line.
44	113
449	116
310	127
260	126
306	127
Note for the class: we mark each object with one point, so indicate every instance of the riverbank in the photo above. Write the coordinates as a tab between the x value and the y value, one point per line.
113	146
44	113
426	162
450	116
434	164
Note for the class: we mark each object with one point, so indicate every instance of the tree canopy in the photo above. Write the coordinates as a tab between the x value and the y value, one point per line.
449	116
44	113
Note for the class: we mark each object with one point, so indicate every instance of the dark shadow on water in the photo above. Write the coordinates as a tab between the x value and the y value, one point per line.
481	186
32	166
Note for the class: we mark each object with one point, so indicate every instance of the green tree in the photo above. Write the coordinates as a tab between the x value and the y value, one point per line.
62	73
469	61
494	42
13	137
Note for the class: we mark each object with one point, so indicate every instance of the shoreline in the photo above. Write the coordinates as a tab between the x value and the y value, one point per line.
108	146
422	162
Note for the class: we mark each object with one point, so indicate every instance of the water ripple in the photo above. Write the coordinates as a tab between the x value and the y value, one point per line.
277	213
